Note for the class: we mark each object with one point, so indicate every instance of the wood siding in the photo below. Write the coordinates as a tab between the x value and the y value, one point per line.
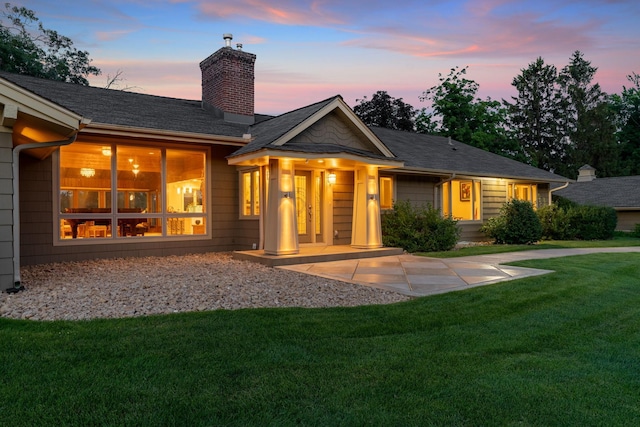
6	210
37	220
627	220
343	207
419	190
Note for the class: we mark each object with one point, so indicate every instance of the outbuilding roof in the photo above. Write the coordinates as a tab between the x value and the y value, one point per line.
618	192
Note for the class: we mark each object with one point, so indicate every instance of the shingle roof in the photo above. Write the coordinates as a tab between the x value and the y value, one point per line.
434	153
267	132
427	153
619	192
116	107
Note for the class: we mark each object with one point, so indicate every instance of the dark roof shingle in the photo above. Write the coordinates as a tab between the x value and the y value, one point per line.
436	153
618	192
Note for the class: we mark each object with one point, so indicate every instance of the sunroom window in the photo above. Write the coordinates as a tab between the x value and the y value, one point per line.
461	199
118	191
250	191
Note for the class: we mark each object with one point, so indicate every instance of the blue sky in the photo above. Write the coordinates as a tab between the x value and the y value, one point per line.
311	50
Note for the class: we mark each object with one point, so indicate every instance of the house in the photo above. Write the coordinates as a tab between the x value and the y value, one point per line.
88	172
620	193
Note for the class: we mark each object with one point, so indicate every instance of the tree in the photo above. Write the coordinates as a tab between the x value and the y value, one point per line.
627	108
458	113
589	119
385	111
537	116
36	51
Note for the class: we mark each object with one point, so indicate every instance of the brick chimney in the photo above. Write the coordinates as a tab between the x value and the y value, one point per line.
228	83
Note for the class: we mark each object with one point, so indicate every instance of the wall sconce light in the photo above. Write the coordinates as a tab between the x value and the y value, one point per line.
87	172
331	178
286	195
106	151
372	196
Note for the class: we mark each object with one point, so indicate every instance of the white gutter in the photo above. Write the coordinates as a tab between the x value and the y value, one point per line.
562	187
16	202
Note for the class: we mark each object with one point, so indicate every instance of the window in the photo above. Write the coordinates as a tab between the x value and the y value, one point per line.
461	199
117	191
250	190
523	191
386	192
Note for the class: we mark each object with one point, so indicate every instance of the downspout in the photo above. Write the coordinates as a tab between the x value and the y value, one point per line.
16	203
562	187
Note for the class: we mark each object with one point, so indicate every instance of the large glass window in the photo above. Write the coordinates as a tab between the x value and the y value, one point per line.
136	180
461	199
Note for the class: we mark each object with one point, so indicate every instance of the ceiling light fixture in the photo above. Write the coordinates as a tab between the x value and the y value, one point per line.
87	172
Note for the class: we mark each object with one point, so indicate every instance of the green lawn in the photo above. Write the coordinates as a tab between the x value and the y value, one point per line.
559	349
618	241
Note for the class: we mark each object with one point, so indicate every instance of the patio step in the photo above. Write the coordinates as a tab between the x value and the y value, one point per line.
314	255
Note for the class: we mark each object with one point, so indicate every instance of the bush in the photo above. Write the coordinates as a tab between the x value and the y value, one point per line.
418	229
555	222
593	222
516	224
578	222
636	231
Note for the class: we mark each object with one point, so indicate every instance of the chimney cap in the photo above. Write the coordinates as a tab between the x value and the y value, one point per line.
227	39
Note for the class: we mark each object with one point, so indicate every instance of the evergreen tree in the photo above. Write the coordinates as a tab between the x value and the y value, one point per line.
537	116
627	108
590	127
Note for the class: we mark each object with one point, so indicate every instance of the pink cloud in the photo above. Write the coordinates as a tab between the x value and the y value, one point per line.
275	11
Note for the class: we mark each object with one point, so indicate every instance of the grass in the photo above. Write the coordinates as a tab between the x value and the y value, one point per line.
559	349
621	240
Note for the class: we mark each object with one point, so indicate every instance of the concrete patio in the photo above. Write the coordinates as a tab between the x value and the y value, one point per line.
419	276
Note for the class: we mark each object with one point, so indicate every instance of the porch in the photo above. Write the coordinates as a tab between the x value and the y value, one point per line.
314	254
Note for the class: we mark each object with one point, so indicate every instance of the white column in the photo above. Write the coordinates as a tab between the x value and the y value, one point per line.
366	231
281	227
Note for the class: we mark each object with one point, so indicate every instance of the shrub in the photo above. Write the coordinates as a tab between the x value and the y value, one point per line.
516	224
593	222
555	222
577	222
418	229
636	231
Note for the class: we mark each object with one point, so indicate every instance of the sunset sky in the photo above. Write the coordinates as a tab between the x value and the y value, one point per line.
308	51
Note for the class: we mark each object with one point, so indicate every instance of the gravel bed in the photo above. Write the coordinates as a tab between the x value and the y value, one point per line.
130	287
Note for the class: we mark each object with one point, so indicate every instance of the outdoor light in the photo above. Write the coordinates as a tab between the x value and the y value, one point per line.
106	151
331	178
87	172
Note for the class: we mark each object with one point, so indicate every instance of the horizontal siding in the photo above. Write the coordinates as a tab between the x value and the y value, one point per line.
419	190
627	220
6	209
494	195
343	207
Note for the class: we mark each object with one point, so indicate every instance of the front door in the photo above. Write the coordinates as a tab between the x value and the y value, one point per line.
304	206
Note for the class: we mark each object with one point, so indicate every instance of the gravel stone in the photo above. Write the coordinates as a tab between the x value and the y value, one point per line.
132	287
